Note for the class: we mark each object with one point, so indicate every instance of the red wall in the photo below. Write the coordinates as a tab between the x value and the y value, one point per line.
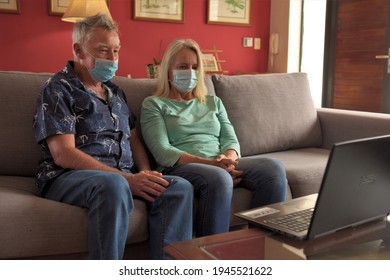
34	41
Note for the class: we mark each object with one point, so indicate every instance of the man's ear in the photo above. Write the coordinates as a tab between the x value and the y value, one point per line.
78	51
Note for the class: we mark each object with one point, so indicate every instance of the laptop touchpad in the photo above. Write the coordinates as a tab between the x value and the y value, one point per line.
299	204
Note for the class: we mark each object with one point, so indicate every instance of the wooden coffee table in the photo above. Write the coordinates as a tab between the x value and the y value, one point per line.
369	241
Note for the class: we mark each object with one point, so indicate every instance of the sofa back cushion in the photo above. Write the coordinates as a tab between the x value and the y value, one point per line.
270	112
137	89
19	152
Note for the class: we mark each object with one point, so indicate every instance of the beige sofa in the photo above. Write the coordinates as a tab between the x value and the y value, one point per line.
273	116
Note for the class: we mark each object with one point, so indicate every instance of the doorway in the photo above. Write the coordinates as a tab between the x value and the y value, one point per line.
356	32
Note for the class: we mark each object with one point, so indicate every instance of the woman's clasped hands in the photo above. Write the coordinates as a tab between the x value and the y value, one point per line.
229	165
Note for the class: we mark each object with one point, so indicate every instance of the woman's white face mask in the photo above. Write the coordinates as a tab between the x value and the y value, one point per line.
185	80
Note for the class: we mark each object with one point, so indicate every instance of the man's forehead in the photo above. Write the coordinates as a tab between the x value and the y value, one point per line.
103	32
107	38
107	45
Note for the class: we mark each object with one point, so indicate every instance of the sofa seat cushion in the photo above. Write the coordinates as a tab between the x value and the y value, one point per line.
46	227
270	112
304	167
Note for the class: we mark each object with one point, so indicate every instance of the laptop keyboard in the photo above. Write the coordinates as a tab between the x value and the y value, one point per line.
298	221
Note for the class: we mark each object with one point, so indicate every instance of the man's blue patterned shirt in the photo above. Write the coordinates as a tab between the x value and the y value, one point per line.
101	129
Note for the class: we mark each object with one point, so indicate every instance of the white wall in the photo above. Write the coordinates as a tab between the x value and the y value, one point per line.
313	46
279	22
286	20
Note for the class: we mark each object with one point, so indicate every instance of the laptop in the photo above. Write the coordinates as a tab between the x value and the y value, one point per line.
355	189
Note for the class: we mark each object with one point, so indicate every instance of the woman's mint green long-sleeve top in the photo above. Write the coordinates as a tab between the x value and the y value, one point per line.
171	127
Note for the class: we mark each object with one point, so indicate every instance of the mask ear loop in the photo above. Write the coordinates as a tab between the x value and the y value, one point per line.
78	51
81	55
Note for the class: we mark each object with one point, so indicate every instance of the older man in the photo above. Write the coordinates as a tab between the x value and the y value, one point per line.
90	146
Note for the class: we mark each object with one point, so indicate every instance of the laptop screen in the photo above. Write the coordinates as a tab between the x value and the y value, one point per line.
356	186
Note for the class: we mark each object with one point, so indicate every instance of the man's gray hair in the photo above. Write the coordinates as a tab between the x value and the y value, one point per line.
82	30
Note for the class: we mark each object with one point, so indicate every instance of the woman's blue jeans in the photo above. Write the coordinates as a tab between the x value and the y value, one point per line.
265	177
109	201
170	216
213	187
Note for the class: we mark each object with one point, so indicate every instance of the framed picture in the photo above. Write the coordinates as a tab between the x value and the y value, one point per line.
210	63
10	6
58	7
159	10
229	12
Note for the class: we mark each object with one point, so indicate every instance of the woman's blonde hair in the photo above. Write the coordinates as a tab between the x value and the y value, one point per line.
163	85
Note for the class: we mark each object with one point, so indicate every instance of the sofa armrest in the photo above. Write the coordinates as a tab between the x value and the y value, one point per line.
343	125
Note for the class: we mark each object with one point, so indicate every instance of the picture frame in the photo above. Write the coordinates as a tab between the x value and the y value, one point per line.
159	10
10	6
58	7
210	63
229	12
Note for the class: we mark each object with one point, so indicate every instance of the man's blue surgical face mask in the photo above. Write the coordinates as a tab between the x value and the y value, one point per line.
185	80
104	69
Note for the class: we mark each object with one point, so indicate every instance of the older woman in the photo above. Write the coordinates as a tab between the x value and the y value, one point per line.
189	134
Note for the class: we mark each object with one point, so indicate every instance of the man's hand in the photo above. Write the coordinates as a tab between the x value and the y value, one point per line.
147	184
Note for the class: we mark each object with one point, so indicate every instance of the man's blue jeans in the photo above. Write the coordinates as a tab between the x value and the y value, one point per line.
213	187
109	201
